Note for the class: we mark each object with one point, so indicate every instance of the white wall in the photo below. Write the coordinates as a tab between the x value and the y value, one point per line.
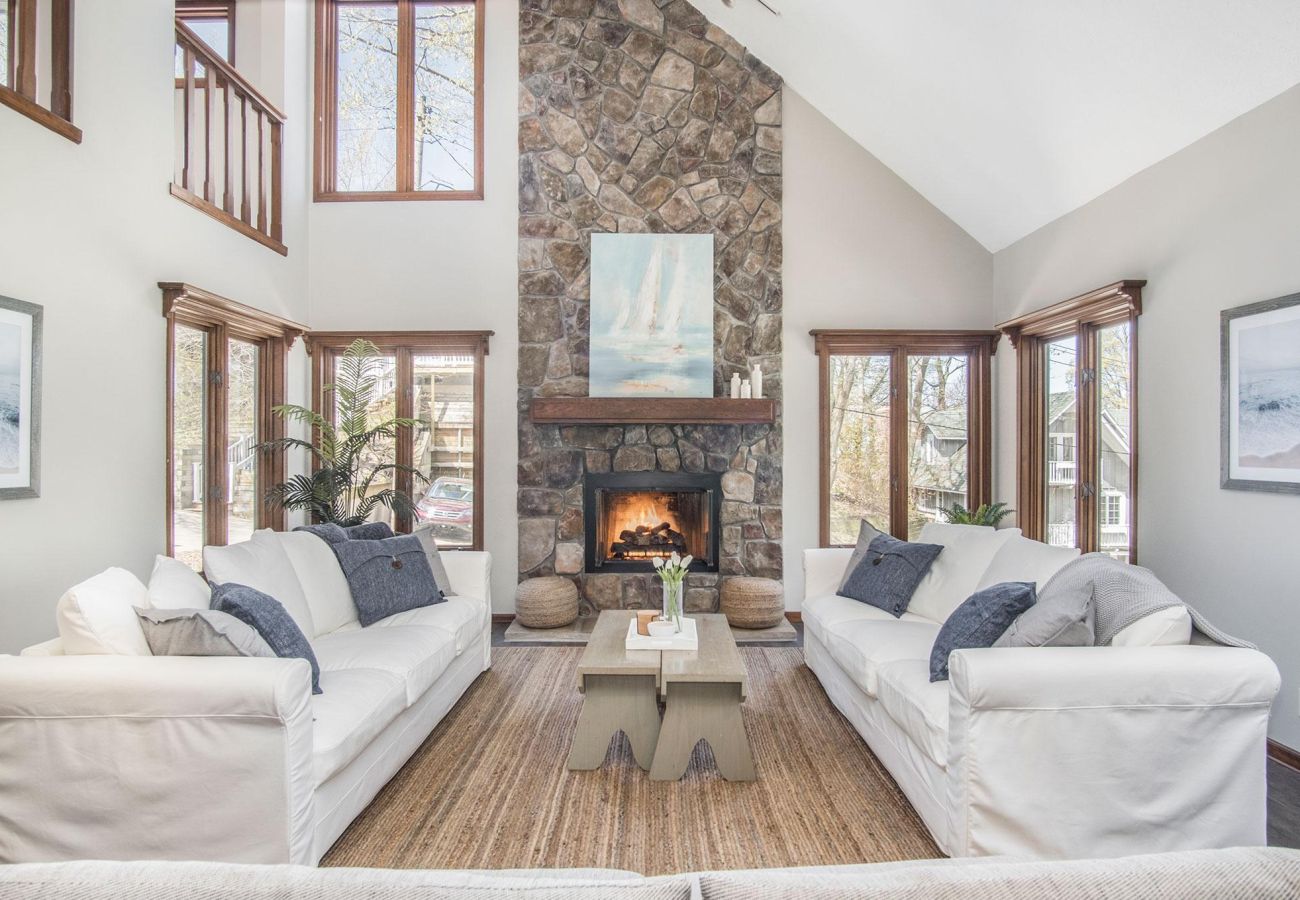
1212	227
862	250
88	231
433	265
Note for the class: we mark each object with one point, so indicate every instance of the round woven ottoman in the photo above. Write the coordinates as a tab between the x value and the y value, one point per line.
752	602
546	602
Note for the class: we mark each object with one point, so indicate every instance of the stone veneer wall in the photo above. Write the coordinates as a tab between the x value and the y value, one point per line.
634	116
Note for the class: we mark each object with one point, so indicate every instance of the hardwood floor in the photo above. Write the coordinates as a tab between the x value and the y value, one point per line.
1283	784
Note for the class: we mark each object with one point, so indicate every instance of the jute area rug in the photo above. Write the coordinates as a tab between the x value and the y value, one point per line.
489	789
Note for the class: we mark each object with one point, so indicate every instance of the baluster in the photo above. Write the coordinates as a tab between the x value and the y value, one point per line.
61	59
187	101
209	84
261	179
277	226
25	70
243	159
228	201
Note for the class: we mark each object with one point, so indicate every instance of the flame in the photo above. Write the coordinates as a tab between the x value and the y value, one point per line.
628	510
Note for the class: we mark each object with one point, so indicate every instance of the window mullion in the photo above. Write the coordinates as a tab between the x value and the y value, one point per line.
405	439
215	476
898	423
405	130
1086	439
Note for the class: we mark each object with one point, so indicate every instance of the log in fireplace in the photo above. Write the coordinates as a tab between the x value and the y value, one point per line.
633	517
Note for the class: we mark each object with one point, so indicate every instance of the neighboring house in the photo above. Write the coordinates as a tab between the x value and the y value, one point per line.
938	465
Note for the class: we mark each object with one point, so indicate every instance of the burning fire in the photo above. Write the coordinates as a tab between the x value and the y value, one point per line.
642	526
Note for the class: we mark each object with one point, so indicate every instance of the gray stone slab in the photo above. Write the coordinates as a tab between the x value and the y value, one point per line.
576	633
781	633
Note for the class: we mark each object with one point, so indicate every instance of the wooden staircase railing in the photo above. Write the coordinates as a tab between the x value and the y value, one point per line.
230	151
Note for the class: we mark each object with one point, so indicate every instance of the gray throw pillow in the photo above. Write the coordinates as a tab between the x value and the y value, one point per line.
332	533
268	617
866	534
1062	617
430	545
199	632
979	621
387	576
888	573
326	531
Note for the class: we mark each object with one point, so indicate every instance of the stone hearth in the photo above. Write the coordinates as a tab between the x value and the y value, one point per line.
637	115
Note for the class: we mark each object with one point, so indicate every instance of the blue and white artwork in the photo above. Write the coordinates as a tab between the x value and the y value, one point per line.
20	329
1264	396
651	315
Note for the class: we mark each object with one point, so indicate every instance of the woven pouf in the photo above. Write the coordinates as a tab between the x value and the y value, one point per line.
549	602
752	602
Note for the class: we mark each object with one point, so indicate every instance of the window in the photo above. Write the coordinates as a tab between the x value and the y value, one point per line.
36	62
399	100
213	22
1077	409
905	427
225	373
436	379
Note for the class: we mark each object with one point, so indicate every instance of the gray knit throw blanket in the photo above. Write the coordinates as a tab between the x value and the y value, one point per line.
1122	594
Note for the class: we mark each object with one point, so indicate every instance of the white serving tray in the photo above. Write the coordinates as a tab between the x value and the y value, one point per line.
687	639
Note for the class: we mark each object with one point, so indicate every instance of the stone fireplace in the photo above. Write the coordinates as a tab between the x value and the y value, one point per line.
632	518
635	116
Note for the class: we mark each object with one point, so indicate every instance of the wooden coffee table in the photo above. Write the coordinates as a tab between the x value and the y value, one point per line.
702	691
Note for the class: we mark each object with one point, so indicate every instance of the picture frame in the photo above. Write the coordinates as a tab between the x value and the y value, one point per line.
1260	396
21	327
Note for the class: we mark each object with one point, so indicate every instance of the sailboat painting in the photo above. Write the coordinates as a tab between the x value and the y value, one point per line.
651	315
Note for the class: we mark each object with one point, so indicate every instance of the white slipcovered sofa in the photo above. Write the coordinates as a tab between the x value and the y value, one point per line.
1045	752
233	759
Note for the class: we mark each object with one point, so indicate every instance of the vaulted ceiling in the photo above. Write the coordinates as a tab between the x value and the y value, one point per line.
1007	114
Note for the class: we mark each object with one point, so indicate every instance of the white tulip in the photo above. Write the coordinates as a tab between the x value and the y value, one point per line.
686	563
658	562
676	560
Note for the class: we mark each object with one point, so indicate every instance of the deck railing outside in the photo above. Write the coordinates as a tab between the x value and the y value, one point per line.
229	153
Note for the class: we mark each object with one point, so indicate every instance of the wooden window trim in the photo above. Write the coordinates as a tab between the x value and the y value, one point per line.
222	320
18	89
326	106
898	345
206	10
1083	317
325	346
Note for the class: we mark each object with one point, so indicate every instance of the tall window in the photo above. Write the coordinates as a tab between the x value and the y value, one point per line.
436	379
399	100
36	62
1077	408
905	427
214	23
225	373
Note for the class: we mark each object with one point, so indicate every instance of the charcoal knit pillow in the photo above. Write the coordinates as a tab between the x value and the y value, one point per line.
331	533
887	574
268	617
979	622
387	576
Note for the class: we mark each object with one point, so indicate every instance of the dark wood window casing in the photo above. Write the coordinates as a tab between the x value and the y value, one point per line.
404	346
1081	317
18	85
222	320
326	103
977	346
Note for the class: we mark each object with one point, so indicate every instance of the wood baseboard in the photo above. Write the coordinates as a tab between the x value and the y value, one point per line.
1281	753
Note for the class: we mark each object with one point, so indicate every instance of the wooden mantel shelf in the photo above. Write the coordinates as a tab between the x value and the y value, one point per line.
652	411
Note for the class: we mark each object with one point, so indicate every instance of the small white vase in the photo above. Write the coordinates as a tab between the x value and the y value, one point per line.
672	611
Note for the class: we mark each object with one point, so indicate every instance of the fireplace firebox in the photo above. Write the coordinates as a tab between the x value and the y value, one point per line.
632	518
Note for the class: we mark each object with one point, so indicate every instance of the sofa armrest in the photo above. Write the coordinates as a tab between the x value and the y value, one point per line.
470	572
1060	752
144	757
823	569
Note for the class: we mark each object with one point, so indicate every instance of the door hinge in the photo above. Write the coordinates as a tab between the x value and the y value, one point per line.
1089	490
1088	375
214	377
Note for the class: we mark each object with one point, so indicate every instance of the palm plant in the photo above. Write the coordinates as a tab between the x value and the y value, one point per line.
990	514
339	488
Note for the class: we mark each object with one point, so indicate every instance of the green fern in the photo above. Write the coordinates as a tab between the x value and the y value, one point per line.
339	487
990	514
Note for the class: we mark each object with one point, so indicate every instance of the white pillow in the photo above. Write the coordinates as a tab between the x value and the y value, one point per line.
98	615
262	564
1021	559
967	552
1164	627
322	579
174	585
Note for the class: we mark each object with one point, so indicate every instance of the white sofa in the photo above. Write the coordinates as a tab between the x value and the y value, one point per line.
226	758
1047	752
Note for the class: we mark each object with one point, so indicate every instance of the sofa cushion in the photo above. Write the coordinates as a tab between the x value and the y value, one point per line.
979	622
200	632
954	575
887	575
262	564
1062	616
1164	627
268	617
861	648
1020	559
462	617
425	534
97	616
866	534
416	654
918	705
387	576
323	584
356	706
823	614
174	585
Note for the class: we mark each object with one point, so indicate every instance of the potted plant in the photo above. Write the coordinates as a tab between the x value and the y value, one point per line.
346	450
990	514
673	572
